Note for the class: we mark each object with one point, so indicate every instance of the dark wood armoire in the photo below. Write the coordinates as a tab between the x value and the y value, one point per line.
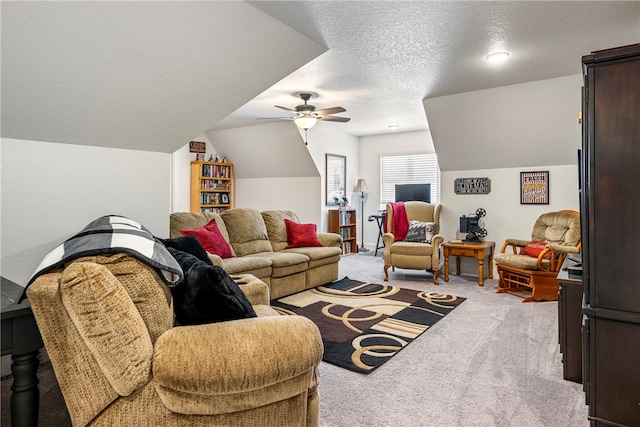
610	217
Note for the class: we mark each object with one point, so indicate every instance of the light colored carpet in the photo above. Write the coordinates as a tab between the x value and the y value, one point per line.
494	361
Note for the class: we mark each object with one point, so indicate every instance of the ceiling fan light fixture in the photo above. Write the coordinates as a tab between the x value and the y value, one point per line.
497	56
305	122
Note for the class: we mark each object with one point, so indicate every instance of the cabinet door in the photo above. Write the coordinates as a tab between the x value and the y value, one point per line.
615	378
614	177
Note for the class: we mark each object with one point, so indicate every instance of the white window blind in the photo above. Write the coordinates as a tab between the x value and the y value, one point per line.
408	169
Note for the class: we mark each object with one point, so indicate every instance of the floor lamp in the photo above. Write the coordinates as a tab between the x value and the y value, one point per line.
361	187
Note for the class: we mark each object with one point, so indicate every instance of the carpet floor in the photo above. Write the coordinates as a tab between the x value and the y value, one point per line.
494	362
365	324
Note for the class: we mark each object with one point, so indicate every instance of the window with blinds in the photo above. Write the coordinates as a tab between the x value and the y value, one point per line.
408	169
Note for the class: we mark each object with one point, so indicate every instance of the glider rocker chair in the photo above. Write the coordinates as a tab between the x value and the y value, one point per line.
531	269
108	327
418	248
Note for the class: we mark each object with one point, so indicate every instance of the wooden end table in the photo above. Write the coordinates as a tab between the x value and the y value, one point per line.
477	250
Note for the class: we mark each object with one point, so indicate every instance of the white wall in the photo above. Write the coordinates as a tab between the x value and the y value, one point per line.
51	191
506	217
294	194
326	138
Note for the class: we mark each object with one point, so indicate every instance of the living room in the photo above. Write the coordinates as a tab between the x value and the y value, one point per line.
55	181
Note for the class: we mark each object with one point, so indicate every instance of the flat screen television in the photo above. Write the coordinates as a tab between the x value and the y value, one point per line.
411	192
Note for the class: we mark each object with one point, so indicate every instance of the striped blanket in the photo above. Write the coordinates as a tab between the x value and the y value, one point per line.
109	235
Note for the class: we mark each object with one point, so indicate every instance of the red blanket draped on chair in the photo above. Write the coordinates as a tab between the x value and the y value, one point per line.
400	223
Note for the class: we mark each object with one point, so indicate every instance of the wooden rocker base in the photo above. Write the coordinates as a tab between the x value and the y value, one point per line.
538	285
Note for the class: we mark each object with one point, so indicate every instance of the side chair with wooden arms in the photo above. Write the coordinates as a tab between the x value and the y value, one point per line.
411	251
530	271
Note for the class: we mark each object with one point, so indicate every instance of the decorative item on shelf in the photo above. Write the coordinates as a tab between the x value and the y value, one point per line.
474	226
361	187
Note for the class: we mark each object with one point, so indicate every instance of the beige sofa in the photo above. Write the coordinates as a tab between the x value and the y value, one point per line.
107	325
258	241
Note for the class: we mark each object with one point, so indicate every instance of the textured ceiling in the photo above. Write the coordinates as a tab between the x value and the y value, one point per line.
385	57
152	75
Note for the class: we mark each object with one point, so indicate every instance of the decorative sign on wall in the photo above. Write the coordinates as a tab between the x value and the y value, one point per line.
534	188
472	185
197	147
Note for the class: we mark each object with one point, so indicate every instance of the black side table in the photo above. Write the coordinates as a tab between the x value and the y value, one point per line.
21	338
380	220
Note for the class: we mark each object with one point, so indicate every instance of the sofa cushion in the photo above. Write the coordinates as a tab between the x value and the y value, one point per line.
247	231
190	220
301	235
420	231
276	229
318	256
108	322
211	239
207	294
284	263
534	248
259	267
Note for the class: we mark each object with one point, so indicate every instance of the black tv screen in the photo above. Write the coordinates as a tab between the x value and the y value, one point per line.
413	192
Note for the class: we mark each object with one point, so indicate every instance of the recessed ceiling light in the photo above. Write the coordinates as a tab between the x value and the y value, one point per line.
497	56
394	127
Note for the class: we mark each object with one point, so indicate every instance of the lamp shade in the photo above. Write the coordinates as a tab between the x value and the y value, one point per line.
361	186
305	122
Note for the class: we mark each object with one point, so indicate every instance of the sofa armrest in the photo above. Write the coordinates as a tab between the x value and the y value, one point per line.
215	259
256	290
515	243
237	365
329	239
565	250
388	239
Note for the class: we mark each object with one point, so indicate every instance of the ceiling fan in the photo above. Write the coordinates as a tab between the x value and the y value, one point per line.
305	115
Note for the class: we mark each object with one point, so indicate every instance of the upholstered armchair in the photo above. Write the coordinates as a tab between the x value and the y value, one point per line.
411	239
108	327
528	268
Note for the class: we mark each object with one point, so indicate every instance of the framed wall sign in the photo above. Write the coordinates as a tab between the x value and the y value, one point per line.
197	147
472	185
336	177
534	188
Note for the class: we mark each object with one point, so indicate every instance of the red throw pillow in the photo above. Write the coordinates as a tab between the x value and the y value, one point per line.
534	248
301	235
211	239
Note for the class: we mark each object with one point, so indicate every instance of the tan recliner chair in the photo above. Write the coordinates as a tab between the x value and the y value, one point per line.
534	278
108	327
413	255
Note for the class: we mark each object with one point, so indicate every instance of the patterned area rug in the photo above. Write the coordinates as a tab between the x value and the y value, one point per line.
363	324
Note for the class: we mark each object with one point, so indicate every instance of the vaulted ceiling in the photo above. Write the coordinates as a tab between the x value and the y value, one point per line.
153	75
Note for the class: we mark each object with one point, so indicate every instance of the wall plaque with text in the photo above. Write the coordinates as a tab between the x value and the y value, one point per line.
472	185
197	147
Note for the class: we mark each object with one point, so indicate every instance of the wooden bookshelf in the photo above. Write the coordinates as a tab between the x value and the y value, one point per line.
211	186
343	222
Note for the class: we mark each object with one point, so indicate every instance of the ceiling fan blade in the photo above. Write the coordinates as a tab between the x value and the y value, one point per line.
275	118
284	108
329	111
334	119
